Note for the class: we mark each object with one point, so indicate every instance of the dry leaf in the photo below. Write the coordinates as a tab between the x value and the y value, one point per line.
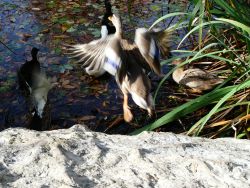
68	87
86	118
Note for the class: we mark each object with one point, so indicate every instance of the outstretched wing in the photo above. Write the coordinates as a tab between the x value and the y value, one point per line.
98	55
114	58
151	44
90	55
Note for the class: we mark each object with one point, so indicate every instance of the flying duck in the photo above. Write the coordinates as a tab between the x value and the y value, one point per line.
127	61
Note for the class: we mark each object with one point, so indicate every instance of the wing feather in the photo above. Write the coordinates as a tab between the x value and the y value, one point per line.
90	55
151	44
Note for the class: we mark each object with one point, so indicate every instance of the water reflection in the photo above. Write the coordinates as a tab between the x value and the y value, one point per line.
34	86
24	24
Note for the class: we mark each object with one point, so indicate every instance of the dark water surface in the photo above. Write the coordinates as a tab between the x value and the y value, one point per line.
77	98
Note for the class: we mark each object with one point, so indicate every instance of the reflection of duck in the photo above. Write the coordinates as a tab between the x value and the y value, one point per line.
39	92
197	79
28	70
106	28
34	84
126	60
41	113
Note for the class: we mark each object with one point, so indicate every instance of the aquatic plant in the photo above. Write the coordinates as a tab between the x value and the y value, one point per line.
220	33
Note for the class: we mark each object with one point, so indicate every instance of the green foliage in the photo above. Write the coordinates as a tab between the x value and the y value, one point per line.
225	25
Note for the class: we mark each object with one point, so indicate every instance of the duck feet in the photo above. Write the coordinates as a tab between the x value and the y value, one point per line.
128	116
150	112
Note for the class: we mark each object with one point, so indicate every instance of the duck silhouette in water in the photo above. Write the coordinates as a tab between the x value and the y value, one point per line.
35	86
28	70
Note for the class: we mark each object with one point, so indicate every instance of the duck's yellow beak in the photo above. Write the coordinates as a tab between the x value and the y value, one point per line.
110	18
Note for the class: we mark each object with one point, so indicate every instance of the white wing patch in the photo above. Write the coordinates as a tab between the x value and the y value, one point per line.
139	37
104	31
95	73
154	51
112	61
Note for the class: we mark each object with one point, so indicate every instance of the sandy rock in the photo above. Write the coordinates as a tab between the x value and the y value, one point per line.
77	157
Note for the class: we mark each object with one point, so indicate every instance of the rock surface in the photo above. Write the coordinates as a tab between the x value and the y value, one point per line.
77	157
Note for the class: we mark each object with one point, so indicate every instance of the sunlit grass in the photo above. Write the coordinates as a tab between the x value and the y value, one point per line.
222	37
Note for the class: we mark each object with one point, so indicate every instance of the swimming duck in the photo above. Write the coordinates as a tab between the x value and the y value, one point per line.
34	84
106	28
126	61
41	113
195	78
28	70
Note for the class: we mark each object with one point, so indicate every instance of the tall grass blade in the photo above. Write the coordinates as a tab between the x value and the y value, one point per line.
236	23
167	16
227	96
187	108
202	9
196	28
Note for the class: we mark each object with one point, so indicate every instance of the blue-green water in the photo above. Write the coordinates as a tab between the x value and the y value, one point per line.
96	102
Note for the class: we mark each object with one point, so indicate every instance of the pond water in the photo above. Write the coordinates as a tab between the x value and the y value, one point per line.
77	98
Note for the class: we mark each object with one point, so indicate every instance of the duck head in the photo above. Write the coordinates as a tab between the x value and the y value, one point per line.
105	20
116	21
34	52
178	73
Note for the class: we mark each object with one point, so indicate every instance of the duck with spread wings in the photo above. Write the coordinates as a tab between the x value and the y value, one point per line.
126	61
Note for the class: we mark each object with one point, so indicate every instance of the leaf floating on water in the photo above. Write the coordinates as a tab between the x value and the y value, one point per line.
60	10
35	9
60	36
64	27
82	20
13	19
58	50
51	4
155	7
62	69
69	87
26	36
65	82
68	67
77	10
21	27
71	30
45	31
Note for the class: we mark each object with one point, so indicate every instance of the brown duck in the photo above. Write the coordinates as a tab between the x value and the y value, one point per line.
126	61
195	78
